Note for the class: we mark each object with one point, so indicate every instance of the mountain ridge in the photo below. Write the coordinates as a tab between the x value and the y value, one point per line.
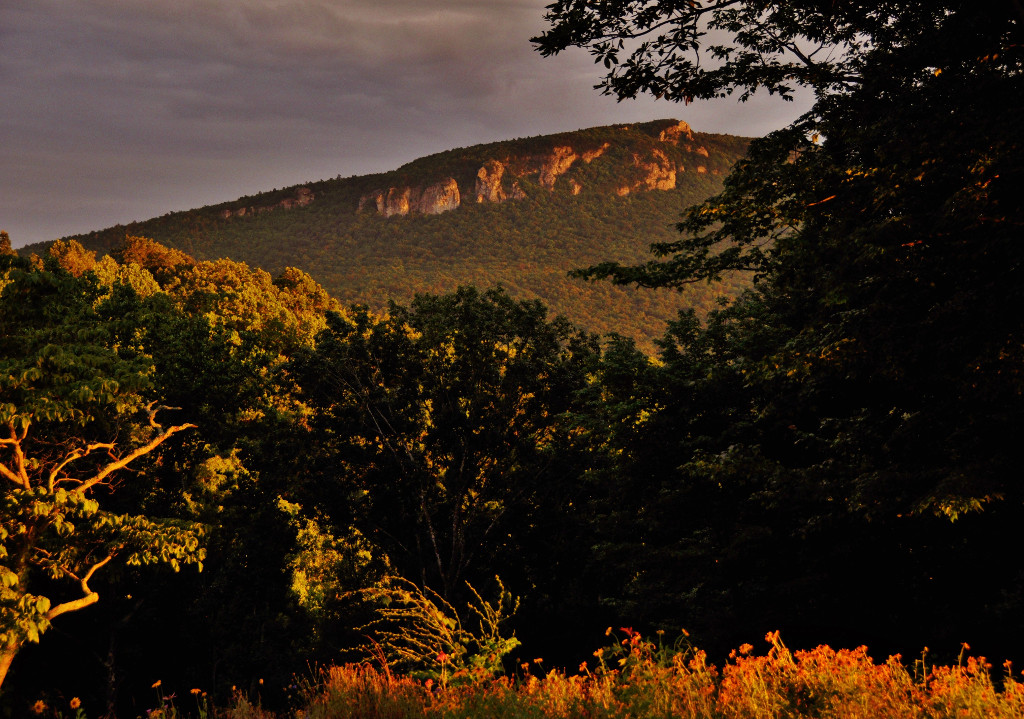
519	212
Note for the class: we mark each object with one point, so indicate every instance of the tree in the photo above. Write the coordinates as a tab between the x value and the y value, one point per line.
73	414
441	426
865	391
682	50
873	242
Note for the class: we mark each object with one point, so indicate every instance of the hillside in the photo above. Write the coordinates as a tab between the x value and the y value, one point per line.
520	213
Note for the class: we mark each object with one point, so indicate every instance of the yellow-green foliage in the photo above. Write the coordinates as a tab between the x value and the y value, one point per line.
526	245
418	630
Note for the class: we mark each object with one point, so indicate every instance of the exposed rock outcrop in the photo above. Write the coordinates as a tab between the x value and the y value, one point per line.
658	173
441	197
560	160
658	154
431	200
591	155
303	197
676	132
377	198
488	182
396	202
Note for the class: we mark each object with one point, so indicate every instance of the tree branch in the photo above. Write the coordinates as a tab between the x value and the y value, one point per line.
72	456
21	476
143	450
89	596
6	472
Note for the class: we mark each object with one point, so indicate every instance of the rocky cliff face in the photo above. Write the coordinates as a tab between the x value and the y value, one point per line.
556	164
675	133
442	197
657	172
430	200
657	156
303	196
589	156
488	182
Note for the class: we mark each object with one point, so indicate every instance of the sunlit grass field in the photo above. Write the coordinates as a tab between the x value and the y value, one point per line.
635	679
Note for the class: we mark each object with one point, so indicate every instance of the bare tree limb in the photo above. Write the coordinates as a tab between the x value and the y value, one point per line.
127	459
72	456
7	473
19	477
89	596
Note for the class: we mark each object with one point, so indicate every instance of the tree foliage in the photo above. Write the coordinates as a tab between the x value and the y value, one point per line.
828	423
444	418
884	248
792	460
73	414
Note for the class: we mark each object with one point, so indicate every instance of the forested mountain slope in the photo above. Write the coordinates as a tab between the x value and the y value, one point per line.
521	213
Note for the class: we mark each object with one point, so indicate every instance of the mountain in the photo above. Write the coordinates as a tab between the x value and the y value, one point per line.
521	213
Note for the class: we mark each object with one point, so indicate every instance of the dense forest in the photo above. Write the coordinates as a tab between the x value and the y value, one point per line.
216	478
548	218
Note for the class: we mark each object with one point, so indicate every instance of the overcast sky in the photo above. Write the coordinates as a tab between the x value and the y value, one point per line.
121	110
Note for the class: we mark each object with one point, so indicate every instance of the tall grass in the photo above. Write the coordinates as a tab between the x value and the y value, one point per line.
638	679
634	679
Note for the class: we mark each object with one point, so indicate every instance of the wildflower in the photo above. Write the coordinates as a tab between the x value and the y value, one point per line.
196	691
261	682
599	653
428	684
538	660
583	667
156	684
746	648
39	707
442	657
75	702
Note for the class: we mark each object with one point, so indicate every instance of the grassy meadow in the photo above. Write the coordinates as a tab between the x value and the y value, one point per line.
633	678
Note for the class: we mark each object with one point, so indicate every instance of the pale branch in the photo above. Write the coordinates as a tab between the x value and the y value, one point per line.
89	596
151	410
6	472
72	456
19	456
126	460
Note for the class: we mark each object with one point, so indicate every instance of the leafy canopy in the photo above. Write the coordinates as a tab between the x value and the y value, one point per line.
73	413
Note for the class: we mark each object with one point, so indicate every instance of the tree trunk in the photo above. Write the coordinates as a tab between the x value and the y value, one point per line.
6	657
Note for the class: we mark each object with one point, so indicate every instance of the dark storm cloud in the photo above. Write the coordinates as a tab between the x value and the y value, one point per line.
115	110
